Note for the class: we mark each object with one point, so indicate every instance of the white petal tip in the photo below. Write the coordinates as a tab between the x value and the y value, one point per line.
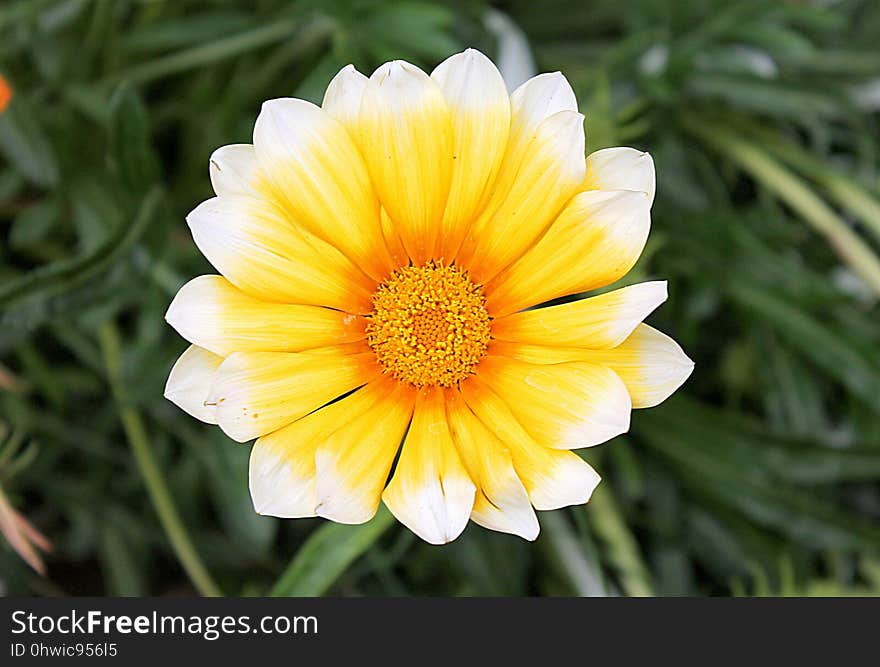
276	489
592	486
438	517
344	511
189	383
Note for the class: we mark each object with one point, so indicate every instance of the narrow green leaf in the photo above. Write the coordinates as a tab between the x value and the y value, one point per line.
583	574
622	550
45	293
326	555
131	147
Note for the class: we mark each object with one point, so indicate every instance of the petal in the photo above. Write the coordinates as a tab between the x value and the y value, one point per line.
316	172
529	155
234	170
251	243
212	313
480	107
430	492
602	321
392	241
406	138
621	169
501	501
282	466
525	200
537	99
594	241
564	406
342	99
532	103
259	392
353	463
189	383
554	478
650	363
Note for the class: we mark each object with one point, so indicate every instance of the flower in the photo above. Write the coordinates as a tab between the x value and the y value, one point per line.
378	256
5	93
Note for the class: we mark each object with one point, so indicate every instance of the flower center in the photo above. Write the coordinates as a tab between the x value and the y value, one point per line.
429	325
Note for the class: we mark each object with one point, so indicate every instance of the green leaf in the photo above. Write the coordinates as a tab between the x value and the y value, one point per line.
130	141
701	457
227	464
121	565
413	30
24	143
48	292
33	224
327	554
824	347
622	550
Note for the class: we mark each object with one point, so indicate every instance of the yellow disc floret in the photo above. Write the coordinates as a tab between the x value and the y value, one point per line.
429	325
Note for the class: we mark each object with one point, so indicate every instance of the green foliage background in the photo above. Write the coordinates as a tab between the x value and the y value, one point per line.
759	477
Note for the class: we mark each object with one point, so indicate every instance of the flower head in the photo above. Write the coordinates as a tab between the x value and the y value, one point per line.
5	93
379	256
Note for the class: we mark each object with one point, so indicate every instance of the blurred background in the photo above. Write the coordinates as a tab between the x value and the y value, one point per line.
760	477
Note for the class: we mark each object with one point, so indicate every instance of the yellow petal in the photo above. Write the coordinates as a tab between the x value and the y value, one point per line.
650	363
531	104
480	109
392	240
212	313
354	461
189	383
342	99
544	154
251	243
259	392
621	169
501	501
526	200
430	492
406	139
234	170
553	478
602	321
564	406
594	241
314	169
282	468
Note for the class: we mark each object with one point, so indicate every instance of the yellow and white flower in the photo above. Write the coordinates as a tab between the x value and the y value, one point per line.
378	257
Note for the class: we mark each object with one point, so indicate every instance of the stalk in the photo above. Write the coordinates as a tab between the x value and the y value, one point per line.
146	461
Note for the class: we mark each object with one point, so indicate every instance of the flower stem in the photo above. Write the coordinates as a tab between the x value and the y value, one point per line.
794	192
149	468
